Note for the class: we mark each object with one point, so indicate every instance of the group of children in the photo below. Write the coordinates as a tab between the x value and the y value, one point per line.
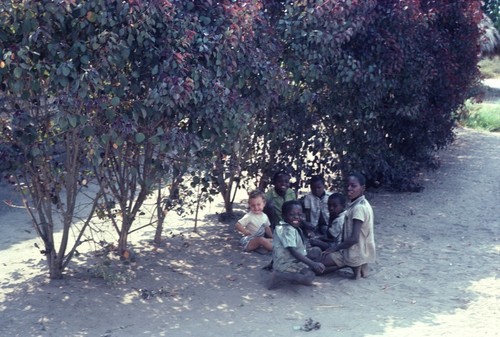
322	234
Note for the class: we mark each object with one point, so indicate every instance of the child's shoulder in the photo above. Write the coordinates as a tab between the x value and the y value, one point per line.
364	202
309	196
247	215
250	214
282	225
258	219
271	194
285	229
291	193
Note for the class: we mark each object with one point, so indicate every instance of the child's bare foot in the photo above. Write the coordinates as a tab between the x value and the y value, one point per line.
357	272
364	270
360	271
276	278
273	283
305	277
268	266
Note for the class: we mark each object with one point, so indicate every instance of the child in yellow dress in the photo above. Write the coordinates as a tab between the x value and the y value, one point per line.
358	245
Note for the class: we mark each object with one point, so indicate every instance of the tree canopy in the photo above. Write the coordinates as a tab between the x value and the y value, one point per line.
130	96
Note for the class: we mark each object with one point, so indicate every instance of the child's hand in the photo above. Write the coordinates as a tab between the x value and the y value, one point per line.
318	267
323	230
326	252
330	250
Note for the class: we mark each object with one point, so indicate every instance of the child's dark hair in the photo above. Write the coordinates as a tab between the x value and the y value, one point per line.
288	205
338	196
280	173
316	179
256	194
361	178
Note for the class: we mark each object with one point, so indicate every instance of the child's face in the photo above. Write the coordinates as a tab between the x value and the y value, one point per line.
282	183
256	205
354	189
293	216
318	188
335	207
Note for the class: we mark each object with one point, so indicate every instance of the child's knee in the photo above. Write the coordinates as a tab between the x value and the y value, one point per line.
314	253
307	276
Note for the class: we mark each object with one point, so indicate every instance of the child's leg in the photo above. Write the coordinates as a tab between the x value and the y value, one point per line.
305	277
360	271
314	253
266	243
277	277
258	242
319	243
356	272
268	266
332	262
364	270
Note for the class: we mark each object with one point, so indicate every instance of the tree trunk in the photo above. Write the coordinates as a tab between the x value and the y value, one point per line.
228	203
159	229
55	266
123	238
160	214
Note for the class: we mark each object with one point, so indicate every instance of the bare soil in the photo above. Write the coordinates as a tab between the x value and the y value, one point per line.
437	272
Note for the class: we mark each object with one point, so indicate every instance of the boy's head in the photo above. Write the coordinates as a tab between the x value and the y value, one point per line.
356	184
336	204
281	182
292	212
317	185
256	201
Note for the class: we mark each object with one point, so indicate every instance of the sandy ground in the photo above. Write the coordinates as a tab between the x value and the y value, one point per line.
437	272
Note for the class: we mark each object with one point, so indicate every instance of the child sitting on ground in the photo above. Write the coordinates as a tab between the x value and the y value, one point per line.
291	261
255	225
277	196
316	204
357	248
331	235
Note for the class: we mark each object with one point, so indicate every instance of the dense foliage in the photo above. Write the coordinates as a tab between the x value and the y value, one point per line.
492	9
381	79
128	97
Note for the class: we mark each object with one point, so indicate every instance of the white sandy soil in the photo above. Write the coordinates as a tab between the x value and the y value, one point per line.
437	272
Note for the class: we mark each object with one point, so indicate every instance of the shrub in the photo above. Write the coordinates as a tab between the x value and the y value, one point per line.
381	80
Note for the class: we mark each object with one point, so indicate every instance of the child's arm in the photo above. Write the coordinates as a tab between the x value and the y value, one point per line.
306	204
317	267
242	229
351	240
269	232
307	227
271	214
307	212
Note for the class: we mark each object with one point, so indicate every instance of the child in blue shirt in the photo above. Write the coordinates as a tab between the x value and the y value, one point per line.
331	235
276	197
316	204
291	260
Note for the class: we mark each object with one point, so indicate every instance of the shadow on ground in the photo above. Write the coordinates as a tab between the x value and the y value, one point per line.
438	263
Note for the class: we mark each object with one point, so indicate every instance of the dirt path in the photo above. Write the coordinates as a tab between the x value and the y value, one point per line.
492	82
437	273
